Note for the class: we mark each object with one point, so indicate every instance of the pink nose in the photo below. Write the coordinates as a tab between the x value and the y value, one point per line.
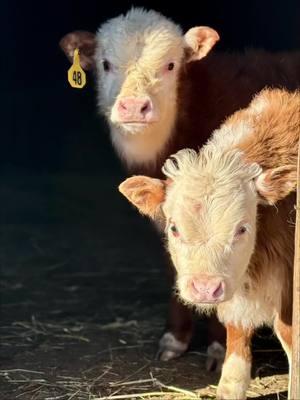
207	289
135	109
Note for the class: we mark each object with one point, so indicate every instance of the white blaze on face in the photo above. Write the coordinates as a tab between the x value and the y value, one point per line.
133	55
211	212
140	44
138	58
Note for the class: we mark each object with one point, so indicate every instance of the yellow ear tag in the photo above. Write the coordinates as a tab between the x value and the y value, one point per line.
76	75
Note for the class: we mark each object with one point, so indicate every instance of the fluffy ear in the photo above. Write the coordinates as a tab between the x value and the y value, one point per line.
85	42
199	41
147	194
275	184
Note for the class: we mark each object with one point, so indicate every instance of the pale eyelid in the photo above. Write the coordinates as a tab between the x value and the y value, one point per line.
172	223
242	224
168	228
181	240
185	242
164	69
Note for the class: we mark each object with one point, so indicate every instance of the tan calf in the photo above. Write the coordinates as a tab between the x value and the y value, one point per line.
233	253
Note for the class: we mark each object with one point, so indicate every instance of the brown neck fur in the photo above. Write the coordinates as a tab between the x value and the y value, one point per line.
274	140
275	246
212	89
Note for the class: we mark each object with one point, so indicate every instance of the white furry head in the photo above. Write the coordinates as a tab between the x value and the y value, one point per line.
136	49
138	59
137	46
210	209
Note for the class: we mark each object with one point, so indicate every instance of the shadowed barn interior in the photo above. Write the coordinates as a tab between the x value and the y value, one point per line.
83	288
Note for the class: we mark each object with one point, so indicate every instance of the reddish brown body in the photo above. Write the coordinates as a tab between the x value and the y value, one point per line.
212	89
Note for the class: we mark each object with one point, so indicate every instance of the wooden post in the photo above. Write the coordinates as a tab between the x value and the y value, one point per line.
295	371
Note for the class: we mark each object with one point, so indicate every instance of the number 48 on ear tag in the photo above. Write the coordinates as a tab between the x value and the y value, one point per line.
76	75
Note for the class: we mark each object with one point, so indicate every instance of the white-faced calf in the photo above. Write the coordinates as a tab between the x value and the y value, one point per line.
160	93
232	251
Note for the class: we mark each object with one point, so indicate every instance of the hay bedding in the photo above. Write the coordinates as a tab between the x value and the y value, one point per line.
105	380
35	385
67	334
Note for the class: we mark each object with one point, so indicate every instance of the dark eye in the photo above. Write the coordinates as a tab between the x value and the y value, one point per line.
174	230
106	65
171	66
241	231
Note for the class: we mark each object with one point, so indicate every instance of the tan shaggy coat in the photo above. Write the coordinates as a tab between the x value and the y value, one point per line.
221	228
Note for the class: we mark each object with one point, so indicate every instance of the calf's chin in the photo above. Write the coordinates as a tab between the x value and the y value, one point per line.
137	128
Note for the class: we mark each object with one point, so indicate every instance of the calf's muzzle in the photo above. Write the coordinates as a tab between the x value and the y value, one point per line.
134	110
206	289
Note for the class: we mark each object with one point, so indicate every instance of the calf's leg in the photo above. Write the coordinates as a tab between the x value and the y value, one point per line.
236	371
179	330
180	326
284	316
283	330
216	344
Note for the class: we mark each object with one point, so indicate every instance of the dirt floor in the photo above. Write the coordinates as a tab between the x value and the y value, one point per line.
84	299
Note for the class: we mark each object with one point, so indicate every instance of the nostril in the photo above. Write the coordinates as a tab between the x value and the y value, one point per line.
199	287
206	289
145	107
122	105
217	293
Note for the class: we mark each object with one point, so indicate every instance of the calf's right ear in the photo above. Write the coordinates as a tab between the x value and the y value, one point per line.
85	42
199	41
147	194
277	183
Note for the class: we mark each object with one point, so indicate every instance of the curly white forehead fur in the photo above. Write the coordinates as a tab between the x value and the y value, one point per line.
187	165
120	37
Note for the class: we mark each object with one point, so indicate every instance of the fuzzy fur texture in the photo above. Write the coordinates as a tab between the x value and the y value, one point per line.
215	192
262	279
139	46
192	101
226	181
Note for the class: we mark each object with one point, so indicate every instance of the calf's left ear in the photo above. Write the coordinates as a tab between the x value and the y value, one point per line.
147	194
276	183
199	41
85	42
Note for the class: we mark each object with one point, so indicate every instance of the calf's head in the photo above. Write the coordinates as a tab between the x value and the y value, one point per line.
138	57
210	207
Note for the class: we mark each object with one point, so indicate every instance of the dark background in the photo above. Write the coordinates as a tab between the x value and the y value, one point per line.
47	125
